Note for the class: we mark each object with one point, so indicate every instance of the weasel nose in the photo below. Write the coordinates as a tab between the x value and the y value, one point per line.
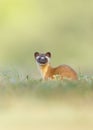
42	58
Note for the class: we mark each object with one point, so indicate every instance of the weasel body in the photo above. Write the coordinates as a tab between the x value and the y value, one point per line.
48	72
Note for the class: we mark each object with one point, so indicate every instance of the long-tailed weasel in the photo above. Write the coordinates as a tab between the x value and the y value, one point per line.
48	72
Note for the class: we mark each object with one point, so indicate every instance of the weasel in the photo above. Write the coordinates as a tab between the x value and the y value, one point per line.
48	72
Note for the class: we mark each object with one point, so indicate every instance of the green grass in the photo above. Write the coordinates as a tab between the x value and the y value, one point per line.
13	83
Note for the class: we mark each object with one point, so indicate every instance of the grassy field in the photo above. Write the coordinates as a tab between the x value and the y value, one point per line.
27	103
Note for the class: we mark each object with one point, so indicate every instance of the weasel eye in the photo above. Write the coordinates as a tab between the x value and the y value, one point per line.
36	54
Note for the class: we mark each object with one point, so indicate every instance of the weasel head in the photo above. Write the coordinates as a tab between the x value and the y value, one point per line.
42	58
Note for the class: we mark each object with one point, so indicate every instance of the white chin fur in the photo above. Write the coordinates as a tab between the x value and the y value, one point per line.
41	63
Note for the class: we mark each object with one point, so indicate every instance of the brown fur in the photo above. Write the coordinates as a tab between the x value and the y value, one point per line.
64	71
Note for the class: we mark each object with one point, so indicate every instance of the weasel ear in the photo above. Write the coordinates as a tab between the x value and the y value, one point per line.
36	54
48	54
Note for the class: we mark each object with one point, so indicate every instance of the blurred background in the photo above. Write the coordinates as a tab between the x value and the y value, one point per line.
63	27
